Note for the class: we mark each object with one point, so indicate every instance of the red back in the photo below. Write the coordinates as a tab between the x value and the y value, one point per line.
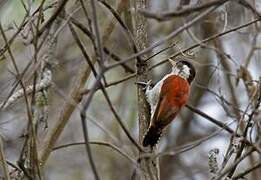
174	95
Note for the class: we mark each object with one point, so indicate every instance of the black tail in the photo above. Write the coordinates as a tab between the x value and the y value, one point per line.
152	136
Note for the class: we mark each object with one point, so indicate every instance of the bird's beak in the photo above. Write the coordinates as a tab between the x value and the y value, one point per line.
173	63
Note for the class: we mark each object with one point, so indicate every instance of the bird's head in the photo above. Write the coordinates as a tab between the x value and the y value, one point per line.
183	69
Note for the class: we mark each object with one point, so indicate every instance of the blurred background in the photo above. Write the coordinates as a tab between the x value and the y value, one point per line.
226	87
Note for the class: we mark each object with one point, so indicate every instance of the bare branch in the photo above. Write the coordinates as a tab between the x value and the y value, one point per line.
181	12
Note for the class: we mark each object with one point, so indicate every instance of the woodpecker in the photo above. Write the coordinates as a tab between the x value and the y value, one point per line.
167	98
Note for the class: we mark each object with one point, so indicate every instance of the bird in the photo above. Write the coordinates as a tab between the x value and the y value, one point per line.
167	98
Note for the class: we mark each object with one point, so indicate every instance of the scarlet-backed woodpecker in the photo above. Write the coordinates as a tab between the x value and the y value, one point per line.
166	99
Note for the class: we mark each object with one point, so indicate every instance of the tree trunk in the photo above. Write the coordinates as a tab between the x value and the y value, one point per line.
149	166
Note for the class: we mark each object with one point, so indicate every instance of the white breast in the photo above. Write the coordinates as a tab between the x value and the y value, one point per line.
154	93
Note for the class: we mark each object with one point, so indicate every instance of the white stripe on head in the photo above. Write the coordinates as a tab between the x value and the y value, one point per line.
186	71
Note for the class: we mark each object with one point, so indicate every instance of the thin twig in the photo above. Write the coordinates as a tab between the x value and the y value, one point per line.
248	5
117	117
247	171
207	40
182	12
97	33
66	111
163	40
28	108
218	123
223	126
133	161
248	125
48	23
86	142
105	49
106	95
104	91
219	177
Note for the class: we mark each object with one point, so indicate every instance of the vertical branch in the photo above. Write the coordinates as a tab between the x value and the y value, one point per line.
149	167
19	77
85	105
142	68
3	160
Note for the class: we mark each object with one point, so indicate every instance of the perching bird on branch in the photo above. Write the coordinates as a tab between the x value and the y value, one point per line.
167	98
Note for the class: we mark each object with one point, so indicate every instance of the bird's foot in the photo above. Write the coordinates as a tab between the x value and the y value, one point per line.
146	85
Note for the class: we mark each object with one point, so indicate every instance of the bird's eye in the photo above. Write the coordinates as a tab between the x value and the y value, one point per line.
179	65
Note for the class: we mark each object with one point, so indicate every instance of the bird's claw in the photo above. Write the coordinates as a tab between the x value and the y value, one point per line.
146	85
